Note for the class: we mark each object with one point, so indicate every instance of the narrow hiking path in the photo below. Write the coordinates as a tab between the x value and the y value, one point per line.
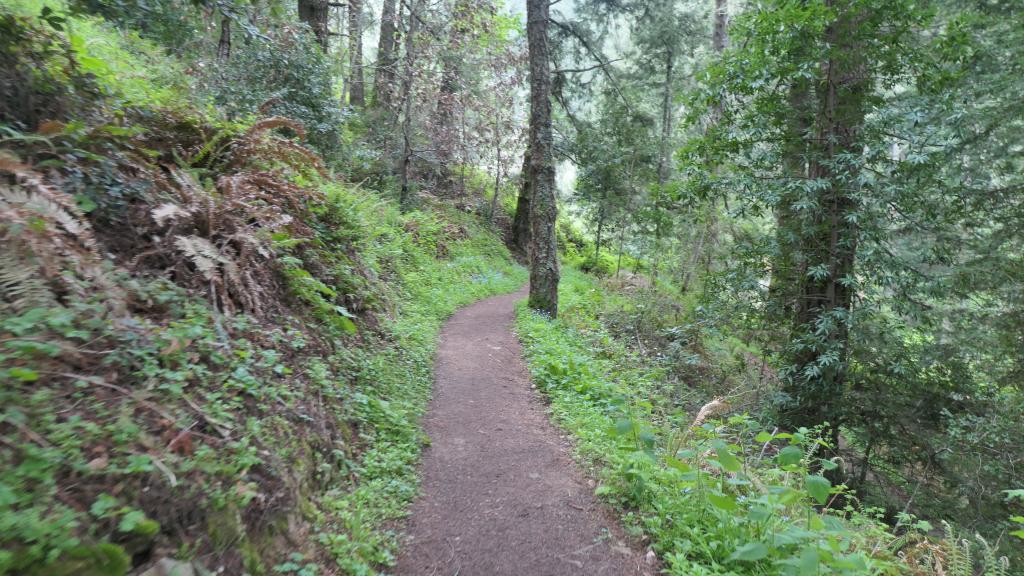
501	494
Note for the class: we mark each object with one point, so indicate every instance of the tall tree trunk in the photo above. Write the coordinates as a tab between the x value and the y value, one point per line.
720	35
544	274
384	75
497	167
787	265
356	82
405	197
521	220
447	139
818	380
622	239
314	13
663	156
224	43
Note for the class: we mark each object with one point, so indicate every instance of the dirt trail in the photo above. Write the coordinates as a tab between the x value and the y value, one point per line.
501	494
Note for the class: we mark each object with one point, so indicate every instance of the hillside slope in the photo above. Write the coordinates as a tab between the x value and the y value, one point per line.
212	349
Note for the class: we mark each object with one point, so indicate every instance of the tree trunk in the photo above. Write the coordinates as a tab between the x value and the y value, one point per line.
405	197
521	220
544	274
314	14
622	238
497	168
356	82
663	156
224	44
384	76
447	139
720	36
817	381
787	265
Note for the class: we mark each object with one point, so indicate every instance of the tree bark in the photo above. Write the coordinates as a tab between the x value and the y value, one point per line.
544	273
817	382
447	139
787	265
314	14
224	43
384	76
497	167
720	36
601	212
356	82
405	197
521	220
663	155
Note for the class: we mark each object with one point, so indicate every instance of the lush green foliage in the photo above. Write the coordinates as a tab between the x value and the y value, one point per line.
716	496
208	344
287	76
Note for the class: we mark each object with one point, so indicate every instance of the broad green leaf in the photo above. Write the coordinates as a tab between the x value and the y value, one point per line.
750	552
24	374
790	455
623	426
677	464
729	462
759	514
809	560
818	487
722	501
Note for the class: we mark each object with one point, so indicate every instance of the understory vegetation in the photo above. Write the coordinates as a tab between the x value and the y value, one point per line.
213	350
712	489
774	248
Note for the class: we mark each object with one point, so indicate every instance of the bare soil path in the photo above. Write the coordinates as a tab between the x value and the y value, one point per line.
501	494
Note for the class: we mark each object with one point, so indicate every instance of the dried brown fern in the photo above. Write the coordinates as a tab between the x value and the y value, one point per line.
43	230
259	148
220	240
273	122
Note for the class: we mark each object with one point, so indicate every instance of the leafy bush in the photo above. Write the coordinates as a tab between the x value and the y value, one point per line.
171	23
716	496
286	75
40	76
603	265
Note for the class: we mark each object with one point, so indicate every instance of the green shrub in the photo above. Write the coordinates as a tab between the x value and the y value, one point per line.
603	265
721	497
286	75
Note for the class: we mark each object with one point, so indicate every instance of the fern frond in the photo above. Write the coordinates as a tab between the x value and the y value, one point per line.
204	255
273	122
21	287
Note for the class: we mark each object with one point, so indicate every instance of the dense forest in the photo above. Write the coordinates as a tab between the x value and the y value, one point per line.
774	249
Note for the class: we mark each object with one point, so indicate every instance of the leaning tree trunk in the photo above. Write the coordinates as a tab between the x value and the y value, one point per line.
314	13
521	220
356	83
544	273
384	76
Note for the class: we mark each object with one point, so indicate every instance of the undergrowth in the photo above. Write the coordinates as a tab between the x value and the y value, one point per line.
714	494
212	349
